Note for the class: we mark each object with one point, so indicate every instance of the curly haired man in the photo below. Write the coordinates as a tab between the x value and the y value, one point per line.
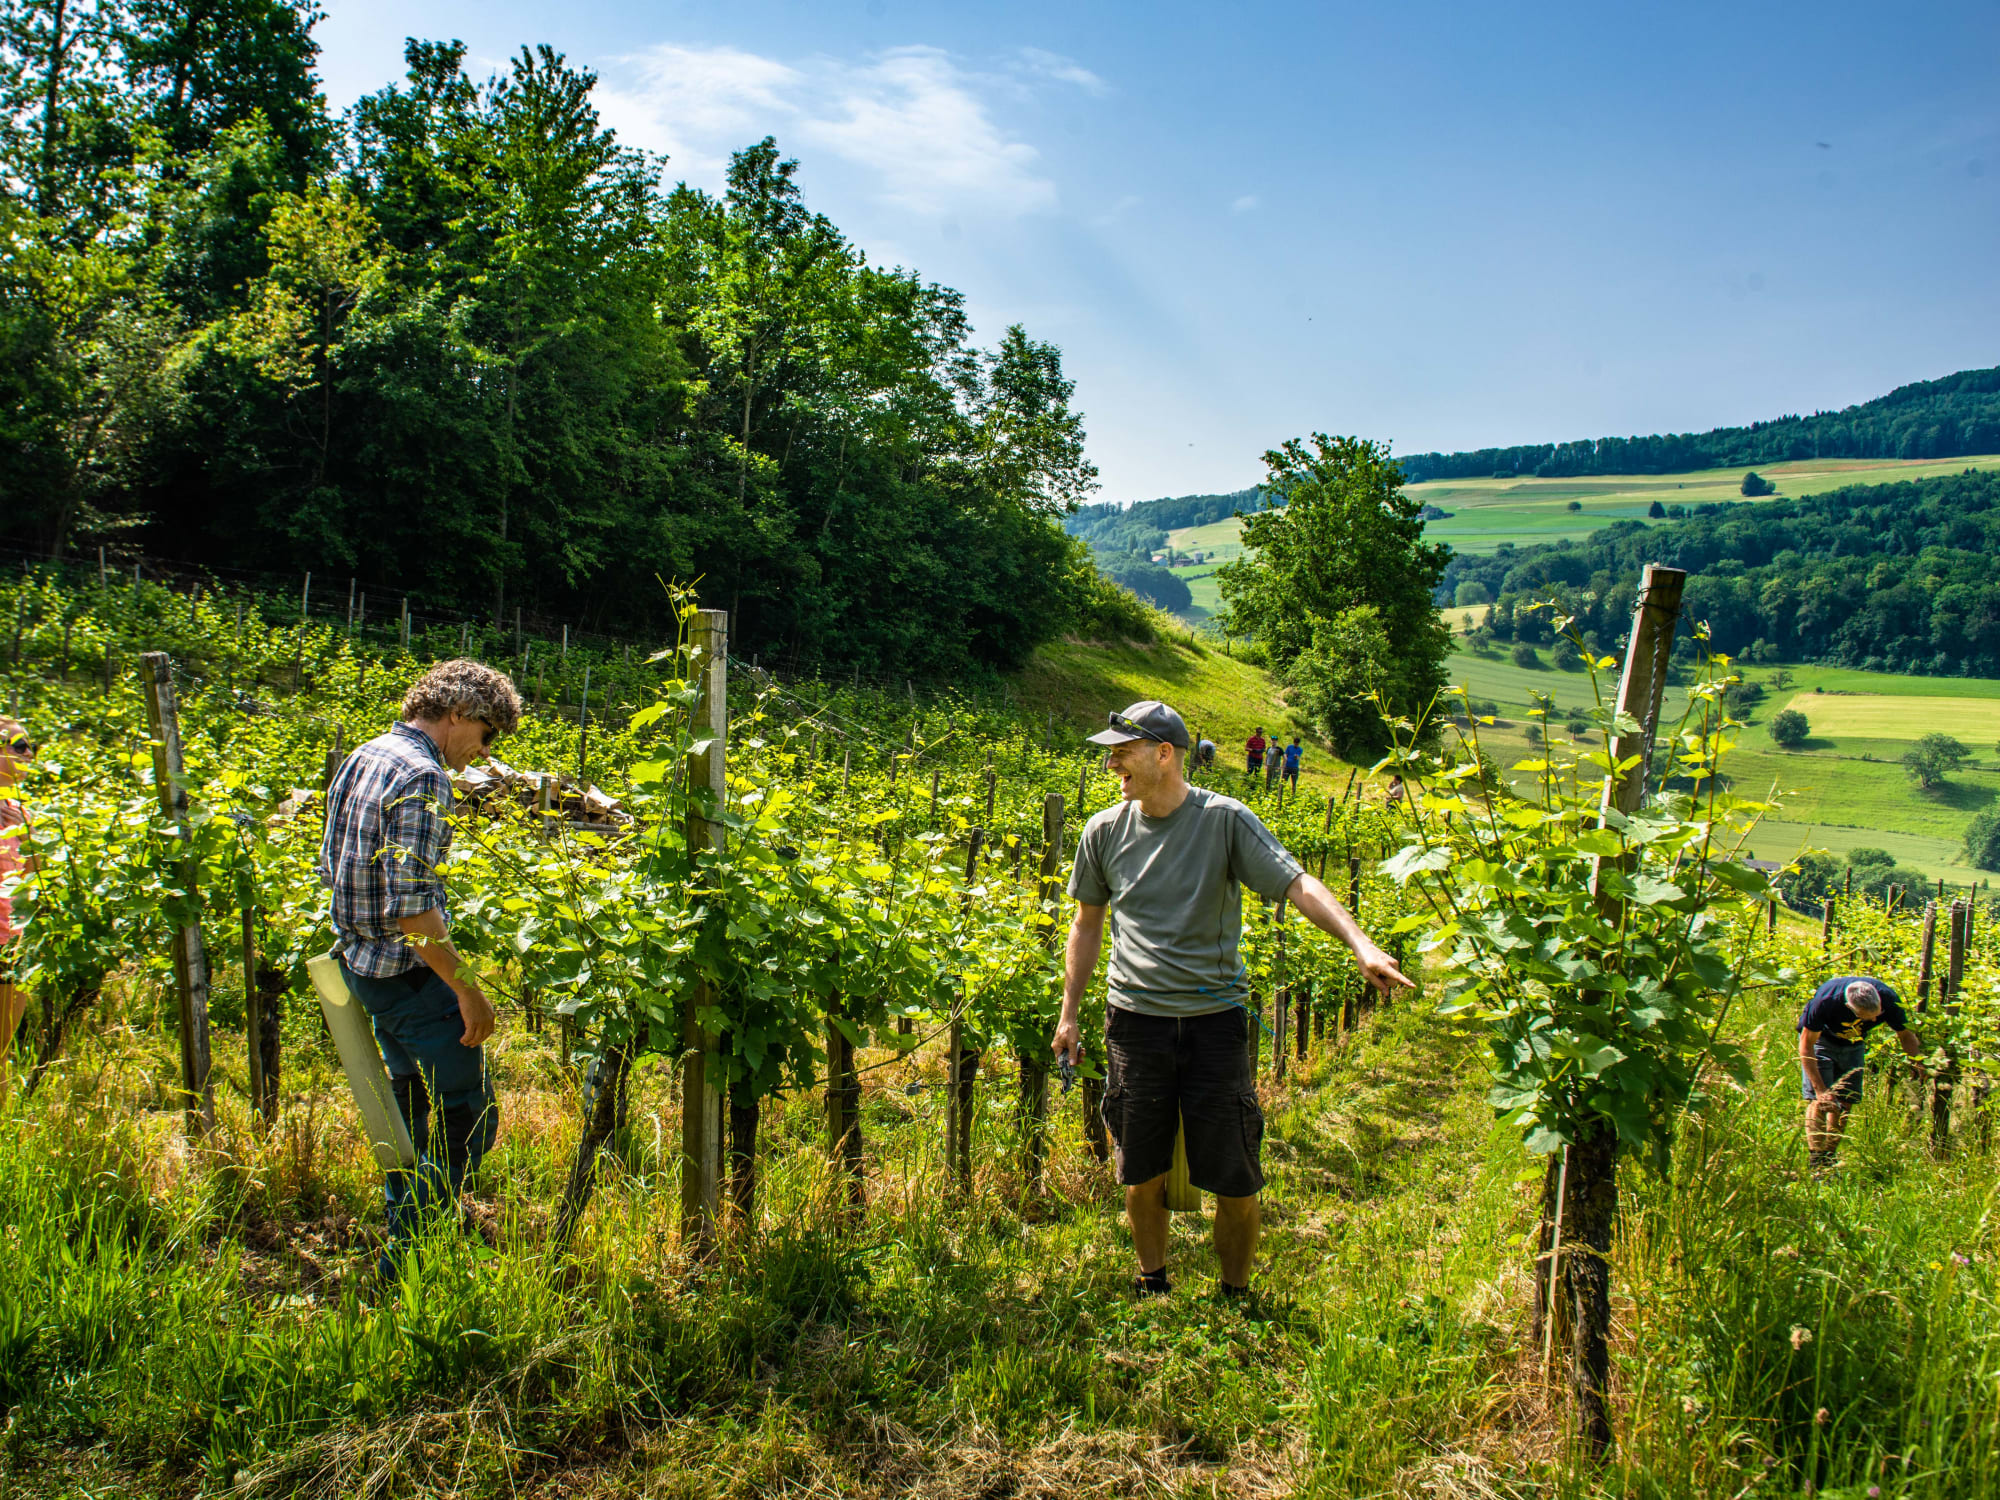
386	839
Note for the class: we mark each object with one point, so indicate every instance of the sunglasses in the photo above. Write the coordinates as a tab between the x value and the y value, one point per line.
1119	721
486	739
21	745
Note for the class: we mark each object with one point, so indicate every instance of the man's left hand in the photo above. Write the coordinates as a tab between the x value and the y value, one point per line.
1380	971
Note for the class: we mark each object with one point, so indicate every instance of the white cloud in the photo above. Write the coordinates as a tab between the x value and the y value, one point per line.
1116	211
1062	69
1244	204
917	125
697	104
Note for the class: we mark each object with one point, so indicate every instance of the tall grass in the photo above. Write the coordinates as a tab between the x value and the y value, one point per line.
177	1322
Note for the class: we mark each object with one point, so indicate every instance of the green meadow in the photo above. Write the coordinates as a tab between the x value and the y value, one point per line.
1845	788
1486	513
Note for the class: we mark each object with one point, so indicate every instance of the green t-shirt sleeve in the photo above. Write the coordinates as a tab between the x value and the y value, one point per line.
1256	858
1086	876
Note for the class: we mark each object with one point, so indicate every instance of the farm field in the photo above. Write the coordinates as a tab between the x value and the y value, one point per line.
1843	789
1885	716
1489	512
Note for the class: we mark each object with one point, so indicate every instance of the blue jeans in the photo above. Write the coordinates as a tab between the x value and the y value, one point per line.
418	1026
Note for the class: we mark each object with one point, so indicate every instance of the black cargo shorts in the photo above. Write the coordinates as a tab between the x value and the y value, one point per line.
1168	1070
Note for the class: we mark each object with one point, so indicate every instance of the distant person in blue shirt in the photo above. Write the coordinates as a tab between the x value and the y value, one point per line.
1833	1030
1294	753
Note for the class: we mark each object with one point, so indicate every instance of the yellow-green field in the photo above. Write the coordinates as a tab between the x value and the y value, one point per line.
1879	716
1522	511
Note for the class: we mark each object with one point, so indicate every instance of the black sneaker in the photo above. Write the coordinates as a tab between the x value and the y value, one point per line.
1152	1283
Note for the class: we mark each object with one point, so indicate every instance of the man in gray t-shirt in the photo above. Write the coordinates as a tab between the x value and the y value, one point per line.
1168	865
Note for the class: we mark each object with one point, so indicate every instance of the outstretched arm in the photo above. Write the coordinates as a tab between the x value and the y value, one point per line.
1319	906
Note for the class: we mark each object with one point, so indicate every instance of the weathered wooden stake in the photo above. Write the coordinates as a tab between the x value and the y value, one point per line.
701	1062
1945	1085
190	956
1926	955
1034	1063
961	1062
1590	1203
1281	993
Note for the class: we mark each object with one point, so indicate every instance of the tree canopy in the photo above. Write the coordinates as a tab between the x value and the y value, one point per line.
464	344
1959	414
1335	584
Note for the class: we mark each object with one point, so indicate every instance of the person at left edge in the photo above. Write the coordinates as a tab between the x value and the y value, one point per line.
386	840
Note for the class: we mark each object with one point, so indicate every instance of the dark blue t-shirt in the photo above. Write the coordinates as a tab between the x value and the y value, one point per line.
1827	1012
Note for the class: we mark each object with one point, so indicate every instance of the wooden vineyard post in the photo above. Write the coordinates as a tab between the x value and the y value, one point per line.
190	956
1945	1085
1826	924
1301	1011
936	772
992	786
1361	992
843	1113
701	1062
1589	1197
1926	956
1034	1066
263	1088
1091	1088
1325	837
1771	915
1281	993
961	1062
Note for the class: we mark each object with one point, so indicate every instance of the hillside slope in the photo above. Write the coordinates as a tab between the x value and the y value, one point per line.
1946	418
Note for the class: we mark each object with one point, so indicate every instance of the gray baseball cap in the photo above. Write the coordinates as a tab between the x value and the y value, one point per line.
1148	719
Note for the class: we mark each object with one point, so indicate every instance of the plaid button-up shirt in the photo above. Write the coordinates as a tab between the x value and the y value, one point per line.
386	837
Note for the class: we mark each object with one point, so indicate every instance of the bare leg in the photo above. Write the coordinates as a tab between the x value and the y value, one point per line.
1237	1222
1146	1212
1825	1121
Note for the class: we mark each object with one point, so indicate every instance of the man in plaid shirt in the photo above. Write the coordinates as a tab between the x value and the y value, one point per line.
386	839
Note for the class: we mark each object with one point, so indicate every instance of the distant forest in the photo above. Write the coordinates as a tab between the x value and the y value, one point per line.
1123	539
1948	418
462	344
1886	577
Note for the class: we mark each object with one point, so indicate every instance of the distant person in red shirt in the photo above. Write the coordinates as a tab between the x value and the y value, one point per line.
1255	747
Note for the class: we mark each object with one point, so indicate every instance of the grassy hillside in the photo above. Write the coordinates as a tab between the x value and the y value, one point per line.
1485	513
1219	696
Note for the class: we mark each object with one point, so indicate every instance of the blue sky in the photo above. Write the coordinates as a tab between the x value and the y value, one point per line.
1439	225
